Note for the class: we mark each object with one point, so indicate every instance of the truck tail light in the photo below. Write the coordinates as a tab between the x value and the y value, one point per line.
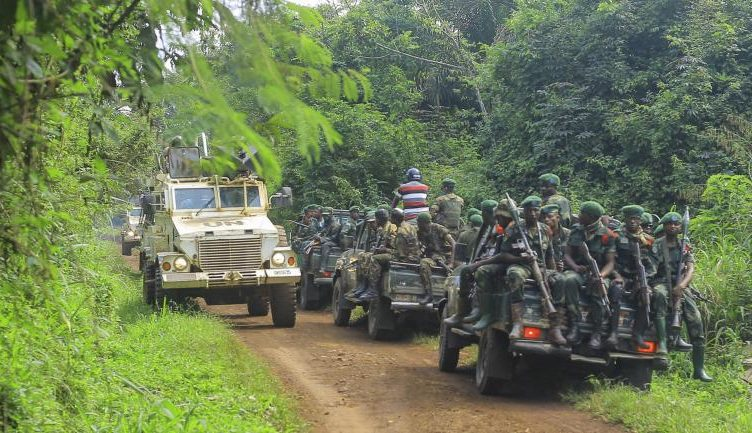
649	349
531	333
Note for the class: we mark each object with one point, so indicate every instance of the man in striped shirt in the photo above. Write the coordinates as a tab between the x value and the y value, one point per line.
413	194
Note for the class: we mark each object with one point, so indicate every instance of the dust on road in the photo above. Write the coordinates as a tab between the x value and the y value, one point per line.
345	382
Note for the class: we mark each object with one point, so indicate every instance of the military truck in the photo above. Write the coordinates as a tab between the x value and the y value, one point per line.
315	283
400	290
211	238
500	360
130	235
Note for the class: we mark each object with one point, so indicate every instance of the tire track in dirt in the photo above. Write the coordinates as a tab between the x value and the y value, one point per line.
345	382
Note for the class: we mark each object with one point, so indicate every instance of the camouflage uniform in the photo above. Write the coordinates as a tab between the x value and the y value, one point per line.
402	244
468	238
565	210
517	273
348	232
329	236
435	244
446	211
558	242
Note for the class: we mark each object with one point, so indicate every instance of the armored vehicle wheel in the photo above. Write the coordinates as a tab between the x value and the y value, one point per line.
148	284
341	314
637	373
283	306
494	362
380	320
258	307
306	293
448	357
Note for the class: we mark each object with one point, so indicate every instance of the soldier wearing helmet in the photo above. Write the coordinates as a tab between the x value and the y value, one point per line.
413	194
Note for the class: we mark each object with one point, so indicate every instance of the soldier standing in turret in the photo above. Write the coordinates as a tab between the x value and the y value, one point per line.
447	208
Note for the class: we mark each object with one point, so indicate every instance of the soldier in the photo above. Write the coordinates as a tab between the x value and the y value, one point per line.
374	235
647	222
468	238
520	267
447	208
413	194
559	234
305	229
601	242
328	236
349	228
667	255
626	266
384	246
405	249
549	183
436	245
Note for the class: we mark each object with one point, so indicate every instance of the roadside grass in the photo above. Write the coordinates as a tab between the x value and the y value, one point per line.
102	361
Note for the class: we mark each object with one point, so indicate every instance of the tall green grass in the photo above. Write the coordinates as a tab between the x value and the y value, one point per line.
87	355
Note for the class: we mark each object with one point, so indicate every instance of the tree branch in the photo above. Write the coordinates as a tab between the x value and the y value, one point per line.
422	59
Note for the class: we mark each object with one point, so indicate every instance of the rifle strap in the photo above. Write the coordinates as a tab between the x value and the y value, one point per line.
667	264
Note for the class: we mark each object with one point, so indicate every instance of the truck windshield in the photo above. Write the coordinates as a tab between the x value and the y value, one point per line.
193	198
232	196
135	212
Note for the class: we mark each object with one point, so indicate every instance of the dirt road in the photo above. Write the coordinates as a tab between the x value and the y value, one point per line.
345	382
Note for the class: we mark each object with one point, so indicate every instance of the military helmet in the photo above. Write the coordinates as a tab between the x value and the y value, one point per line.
413	174
381	214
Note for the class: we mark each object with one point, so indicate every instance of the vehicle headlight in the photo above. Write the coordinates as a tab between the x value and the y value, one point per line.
130	233
180	263
278	259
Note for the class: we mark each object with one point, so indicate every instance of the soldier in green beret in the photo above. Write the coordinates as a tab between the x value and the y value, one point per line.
305	229
647	222
628	277
669	257
436	246
520	267
447	208
468	237
559	234
549	184
601	242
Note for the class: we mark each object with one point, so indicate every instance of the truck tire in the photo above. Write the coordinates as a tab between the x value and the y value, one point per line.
378	309
148	284
341	315
448	357
283	306
282	236
160	297
493	358
637	373
307	289
258	307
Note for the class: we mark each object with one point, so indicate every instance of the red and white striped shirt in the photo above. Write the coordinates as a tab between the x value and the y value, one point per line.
414	196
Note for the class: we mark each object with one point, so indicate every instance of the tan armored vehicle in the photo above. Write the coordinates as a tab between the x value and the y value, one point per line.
210	237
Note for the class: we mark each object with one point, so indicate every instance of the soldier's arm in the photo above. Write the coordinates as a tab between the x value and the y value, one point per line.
689	273
569	259
610	265
550	262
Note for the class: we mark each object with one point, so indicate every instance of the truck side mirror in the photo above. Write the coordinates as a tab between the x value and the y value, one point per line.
282	198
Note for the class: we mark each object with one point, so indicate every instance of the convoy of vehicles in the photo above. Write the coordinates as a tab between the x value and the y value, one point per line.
211	238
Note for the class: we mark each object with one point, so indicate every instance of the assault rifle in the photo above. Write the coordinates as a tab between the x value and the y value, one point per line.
643	282
596	273
537	275
676	318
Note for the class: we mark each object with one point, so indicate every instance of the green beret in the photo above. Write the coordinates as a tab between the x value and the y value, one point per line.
632	210
592	208
504	209
473	211
476	220
448	181
671	217
354	209
550	178
646	218
531	201
371	216
488	205
424	217
658	230
550	208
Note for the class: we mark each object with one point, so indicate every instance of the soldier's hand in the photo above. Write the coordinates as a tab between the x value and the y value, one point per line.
560	266
526	258
582	269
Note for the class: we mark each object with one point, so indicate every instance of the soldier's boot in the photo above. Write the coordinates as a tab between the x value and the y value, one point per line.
474	315
371	293
595	338
427	297
355	293
638	333
573	336
613	337
463	305
678	344
485	301
698	362
660	335
518	308
554	333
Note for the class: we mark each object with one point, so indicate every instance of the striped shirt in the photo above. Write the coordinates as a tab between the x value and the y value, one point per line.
414	196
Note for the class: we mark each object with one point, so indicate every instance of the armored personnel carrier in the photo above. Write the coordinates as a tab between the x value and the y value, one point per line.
208	236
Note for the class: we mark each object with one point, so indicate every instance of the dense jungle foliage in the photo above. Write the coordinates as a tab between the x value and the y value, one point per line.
644	101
